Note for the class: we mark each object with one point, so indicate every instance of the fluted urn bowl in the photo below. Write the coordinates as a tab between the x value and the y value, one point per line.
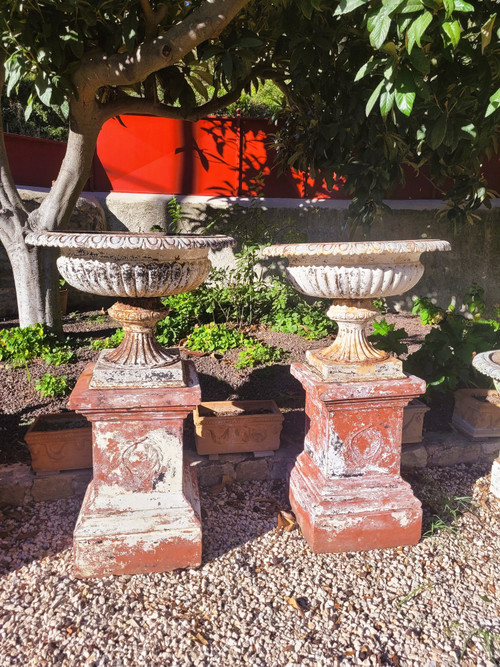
137	269
352	275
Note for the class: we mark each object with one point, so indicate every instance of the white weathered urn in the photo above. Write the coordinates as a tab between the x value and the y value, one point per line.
488	363
137	269
352	275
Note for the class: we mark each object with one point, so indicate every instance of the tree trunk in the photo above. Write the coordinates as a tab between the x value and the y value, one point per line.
36	282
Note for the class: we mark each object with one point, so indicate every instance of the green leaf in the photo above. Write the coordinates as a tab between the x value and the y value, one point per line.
364	70
417	29
412	6
199	87
29	107
449	6
227	65
373	98
470	129
494	103
386	102
453	30
487	32
382	24
390	5
420	61
438	132
346	6
405	93
249	42
462	6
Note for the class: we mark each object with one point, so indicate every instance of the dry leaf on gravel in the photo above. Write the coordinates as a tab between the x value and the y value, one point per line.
198	637
286	520
296	605
218	488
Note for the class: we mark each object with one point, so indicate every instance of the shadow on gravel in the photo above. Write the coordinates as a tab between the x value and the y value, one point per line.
214	388
445	493
236	515
273	382
36	531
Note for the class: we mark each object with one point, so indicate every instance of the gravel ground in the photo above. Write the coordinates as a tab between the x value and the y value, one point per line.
261	598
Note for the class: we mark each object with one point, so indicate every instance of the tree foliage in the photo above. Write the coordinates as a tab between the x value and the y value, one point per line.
375	86
370	85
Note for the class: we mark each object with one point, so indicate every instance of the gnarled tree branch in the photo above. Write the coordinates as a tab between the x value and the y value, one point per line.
10	201
136	105
205	22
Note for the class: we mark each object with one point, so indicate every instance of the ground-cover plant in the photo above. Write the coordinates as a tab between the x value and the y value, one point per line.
220	338
452	509
445	358
59	356
240	297
215	338
386	337
110	341
258	353
489	639
19	345
52	385
98	318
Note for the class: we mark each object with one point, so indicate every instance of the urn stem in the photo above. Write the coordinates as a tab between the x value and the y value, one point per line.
139	347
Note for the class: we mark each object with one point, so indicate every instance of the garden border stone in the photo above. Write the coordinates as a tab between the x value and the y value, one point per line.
19	485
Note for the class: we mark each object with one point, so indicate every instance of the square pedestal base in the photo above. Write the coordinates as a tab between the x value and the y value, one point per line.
331	371
372	511
140	540
107	375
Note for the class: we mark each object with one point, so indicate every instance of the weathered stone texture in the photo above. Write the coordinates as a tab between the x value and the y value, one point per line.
345	488
141	512
413	456
52	486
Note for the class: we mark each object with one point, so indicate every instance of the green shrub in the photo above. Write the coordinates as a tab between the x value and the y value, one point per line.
386	337
19	345
445	358
215	338
256	352
111	341
52	385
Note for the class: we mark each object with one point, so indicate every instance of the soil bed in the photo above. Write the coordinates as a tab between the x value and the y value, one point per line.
20	404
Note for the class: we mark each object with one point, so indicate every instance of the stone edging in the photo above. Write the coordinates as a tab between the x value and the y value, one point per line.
19	485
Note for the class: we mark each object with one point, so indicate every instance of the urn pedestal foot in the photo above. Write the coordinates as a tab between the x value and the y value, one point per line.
371	511
110	540
141	512
346	489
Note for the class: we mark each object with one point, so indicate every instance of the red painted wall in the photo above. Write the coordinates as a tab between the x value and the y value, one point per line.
33	161
214	157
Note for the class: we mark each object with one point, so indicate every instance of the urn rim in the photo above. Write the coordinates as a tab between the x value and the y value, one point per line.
356	248
129	240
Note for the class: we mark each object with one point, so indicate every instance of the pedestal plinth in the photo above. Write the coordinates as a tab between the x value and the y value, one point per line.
345	488
141	512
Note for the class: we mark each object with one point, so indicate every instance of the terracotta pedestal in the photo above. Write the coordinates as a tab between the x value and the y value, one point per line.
346	489
141	512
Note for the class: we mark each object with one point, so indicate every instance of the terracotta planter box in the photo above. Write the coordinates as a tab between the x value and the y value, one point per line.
233	427
477	413
60	441
413	421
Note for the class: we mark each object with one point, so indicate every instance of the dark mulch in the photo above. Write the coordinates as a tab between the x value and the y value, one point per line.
20	403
